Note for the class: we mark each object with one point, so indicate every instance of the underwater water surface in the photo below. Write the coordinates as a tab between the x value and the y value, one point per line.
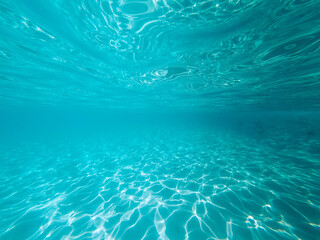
160	119
191	54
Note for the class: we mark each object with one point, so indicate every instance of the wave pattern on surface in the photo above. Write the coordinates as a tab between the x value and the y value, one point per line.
143	53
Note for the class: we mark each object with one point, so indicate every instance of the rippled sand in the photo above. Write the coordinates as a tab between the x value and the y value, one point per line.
196	185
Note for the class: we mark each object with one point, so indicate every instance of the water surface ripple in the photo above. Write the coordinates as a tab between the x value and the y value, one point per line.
190	54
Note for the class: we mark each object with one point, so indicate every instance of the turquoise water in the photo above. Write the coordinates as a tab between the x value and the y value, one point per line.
160	119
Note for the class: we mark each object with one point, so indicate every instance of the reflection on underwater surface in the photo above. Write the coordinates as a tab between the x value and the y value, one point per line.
198	54
199	183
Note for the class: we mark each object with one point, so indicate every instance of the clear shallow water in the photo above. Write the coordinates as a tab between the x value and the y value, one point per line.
154	119
245	179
